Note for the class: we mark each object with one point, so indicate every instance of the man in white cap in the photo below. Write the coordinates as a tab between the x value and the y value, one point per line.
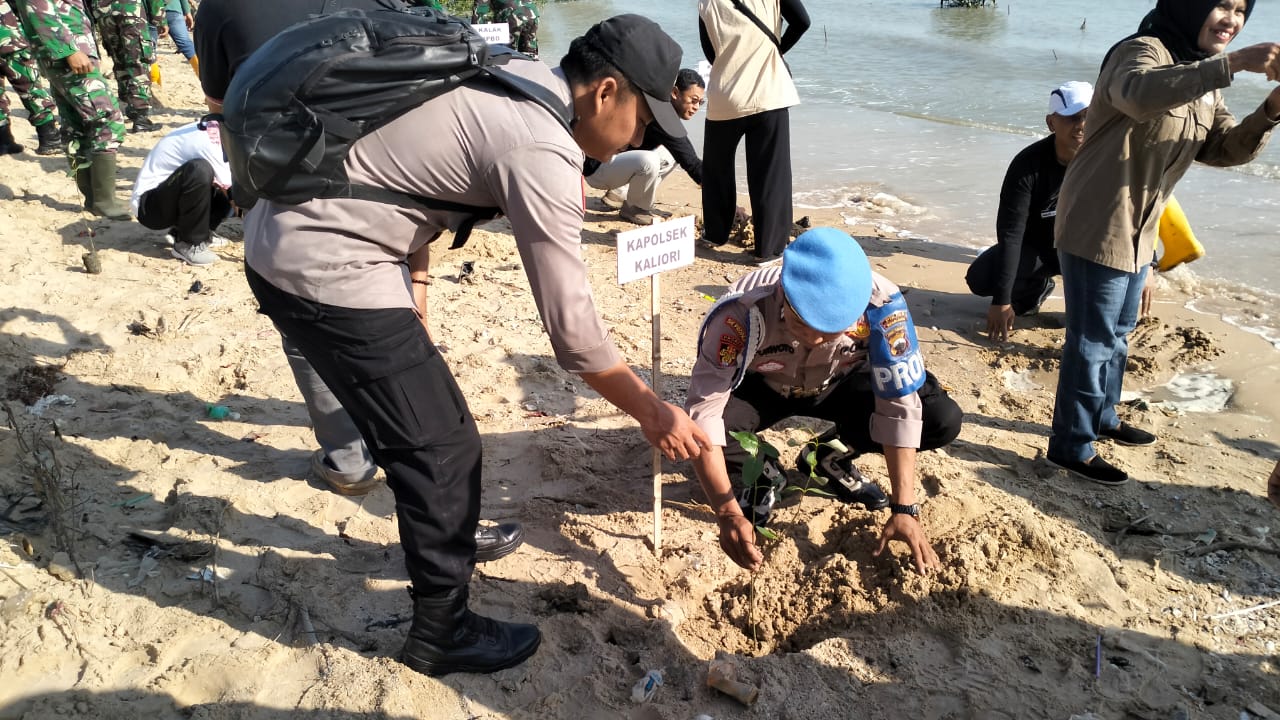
1017	272
822	336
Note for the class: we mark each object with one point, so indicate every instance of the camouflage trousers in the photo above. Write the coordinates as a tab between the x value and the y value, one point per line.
22	72
91	120
521	15
128	41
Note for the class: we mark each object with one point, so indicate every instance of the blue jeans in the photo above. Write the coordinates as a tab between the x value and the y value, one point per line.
1102	308
178	31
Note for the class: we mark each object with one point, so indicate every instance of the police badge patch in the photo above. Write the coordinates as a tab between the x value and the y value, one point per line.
730	347
897	369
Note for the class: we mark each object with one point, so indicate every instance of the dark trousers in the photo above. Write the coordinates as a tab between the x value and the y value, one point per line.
1029	283
386	372
768	136
754	406
188	202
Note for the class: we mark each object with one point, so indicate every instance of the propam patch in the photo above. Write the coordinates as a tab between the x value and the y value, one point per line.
1194	392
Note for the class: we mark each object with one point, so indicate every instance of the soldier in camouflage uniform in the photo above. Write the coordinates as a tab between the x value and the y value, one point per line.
521	15
62	38
123	27
18	65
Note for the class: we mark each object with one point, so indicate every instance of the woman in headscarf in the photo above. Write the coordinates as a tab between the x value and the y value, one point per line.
1157	107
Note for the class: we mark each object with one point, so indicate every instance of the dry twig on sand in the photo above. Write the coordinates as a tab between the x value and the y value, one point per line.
48	479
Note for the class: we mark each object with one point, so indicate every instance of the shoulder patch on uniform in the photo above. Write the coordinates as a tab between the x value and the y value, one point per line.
861	329
896	317
737	328
730	348
897	368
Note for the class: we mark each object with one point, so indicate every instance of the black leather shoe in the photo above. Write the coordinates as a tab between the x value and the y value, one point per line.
496	541
1095	469
1126	434
142	123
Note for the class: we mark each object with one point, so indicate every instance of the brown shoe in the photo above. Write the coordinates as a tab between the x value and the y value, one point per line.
633	214
343	483
613	199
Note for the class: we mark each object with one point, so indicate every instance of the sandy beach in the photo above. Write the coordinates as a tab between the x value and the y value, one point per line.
155	563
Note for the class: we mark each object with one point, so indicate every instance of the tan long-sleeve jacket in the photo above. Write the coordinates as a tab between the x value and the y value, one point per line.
1149	120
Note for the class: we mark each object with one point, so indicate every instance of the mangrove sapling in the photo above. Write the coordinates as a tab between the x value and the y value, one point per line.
759	451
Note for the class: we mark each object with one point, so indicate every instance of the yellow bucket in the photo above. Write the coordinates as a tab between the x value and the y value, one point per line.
155	73
1178	242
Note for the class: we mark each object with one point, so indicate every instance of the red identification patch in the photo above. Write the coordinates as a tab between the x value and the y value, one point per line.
730	348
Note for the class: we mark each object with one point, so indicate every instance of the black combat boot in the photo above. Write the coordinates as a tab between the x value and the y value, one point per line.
7	144
50	139
446	637
142	123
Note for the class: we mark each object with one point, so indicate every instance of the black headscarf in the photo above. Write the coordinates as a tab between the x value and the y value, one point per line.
1177	25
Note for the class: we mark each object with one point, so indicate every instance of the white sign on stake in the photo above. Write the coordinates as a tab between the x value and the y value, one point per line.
651	249
494	33
646	252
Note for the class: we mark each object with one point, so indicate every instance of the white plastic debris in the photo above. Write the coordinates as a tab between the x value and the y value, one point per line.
49	401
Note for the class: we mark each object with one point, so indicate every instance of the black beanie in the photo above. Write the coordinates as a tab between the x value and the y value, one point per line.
1177	25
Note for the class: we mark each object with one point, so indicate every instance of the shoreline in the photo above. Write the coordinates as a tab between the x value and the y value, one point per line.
1247	358
1233	301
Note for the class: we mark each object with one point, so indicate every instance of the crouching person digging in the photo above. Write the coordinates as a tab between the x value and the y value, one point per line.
825	337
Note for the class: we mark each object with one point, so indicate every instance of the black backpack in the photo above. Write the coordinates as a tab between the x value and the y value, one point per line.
296	106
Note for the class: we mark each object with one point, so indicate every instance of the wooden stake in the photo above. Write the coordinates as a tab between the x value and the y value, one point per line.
656	312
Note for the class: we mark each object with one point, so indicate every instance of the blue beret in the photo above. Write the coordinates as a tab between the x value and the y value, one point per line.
827	279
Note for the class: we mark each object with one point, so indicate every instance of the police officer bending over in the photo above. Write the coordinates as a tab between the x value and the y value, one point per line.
825	337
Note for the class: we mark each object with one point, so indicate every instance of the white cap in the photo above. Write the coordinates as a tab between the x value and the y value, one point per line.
1070	98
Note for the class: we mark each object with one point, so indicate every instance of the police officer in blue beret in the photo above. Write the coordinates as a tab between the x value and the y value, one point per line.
821	336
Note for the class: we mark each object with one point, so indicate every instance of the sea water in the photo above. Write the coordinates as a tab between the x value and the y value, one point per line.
910	114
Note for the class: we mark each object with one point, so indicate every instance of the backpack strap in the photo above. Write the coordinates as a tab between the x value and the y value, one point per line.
540	94
474	213
755	20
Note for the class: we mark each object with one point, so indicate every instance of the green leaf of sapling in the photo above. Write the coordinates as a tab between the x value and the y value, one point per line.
749	441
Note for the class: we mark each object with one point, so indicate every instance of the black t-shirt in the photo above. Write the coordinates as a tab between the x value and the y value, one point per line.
228	31
1028	207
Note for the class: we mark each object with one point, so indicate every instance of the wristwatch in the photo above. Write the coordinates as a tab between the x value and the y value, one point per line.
913	510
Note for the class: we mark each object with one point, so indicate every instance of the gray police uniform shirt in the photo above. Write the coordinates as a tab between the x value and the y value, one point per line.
747	334
473	145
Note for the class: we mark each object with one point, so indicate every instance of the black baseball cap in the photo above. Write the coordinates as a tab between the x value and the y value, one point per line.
647	57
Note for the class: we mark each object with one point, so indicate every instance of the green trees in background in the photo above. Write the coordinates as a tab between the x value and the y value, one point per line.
462	8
